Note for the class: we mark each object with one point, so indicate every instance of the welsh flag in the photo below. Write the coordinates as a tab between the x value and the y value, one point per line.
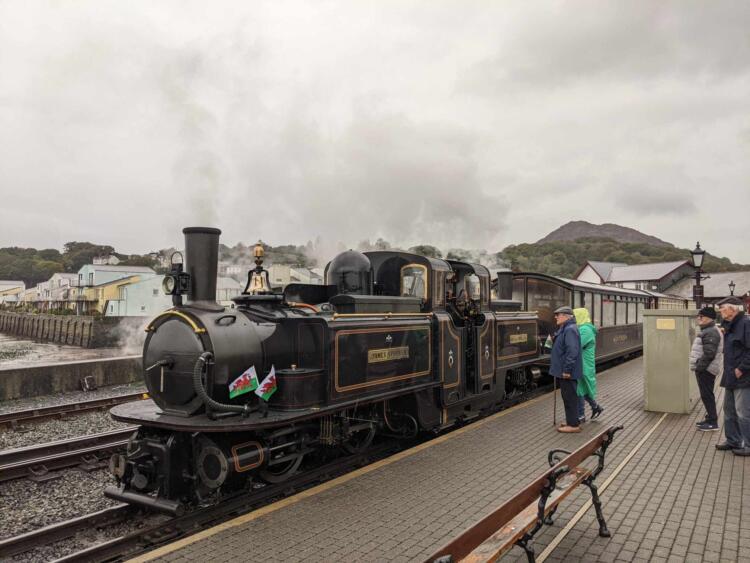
267	386
245	383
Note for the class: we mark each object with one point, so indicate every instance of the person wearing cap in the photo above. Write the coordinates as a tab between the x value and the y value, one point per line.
736	377
706	359
567	366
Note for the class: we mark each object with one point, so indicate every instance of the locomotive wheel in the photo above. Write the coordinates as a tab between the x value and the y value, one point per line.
360	440
280	472
287	453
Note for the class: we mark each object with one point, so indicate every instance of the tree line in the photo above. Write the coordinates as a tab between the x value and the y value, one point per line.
554	258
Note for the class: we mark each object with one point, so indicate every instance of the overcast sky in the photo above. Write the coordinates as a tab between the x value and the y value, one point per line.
461	124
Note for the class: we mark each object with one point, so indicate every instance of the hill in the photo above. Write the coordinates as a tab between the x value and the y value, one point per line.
575	230
563	258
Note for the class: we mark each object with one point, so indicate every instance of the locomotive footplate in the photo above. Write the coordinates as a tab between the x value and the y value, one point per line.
146	412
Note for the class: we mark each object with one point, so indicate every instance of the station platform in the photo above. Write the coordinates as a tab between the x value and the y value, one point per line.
667	494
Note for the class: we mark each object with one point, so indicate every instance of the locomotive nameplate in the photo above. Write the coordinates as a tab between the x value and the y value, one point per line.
518	338
387	354
381	357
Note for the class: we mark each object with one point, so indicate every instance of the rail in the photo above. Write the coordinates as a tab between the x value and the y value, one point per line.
39	462
14	418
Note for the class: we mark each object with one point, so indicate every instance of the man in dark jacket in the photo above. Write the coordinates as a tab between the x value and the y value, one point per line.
736	377
706	359
566	365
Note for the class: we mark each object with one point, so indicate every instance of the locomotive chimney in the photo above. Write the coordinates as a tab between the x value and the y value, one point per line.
202	258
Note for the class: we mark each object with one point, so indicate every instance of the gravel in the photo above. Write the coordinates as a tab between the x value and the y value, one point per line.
26	505
36	433
70	397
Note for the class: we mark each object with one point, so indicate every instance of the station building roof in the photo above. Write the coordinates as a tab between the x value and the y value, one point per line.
716	285
644	272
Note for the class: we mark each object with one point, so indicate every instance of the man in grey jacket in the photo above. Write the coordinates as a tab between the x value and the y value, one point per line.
707	362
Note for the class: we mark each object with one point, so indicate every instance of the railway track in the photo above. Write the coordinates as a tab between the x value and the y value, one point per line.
24	543
177	527
40	462
16	418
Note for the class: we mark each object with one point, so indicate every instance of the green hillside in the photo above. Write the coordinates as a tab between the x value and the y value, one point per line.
564	258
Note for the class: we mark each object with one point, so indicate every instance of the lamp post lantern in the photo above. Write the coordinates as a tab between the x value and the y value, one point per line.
698	254
732	285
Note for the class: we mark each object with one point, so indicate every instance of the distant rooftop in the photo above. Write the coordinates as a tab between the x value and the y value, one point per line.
604	268
643	272
716	285
108	268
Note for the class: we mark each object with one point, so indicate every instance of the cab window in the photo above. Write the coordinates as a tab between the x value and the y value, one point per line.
414	281
473	287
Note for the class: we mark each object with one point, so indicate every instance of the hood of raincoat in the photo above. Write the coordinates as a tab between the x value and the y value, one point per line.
582	317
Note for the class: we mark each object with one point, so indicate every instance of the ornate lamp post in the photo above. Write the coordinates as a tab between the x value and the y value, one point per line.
697	255
732	285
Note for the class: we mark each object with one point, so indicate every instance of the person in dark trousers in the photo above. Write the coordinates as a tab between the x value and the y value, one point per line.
736	377
707	360
567	366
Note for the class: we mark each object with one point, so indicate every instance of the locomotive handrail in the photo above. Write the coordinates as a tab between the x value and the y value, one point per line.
386	315
197	329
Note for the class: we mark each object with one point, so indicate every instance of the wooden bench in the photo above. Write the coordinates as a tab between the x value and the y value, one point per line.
518	520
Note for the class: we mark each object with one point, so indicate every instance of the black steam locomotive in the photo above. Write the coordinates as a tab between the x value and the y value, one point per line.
394	343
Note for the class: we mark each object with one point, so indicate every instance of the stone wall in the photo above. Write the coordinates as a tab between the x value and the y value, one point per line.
33	381
88	332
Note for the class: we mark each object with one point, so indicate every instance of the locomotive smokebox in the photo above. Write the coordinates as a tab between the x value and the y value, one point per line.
202	257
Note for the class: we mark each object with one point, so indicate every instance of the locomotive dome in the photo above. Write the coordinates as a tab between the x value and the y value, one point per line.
351	273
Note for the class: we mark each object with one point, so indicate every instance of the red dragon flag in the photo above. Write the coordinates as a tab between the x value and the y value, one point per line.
267	386
245	383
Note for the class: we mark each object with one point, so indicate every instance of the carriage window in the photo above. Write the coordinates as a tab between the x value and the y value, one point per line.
621	310
473	289
608	312
589	304
544	297
597	309
518	284
577	299
414	281
639	311
631	313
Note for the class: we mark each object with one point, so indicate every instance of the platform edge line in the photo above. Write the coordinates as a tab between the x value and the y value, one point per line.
294	499
588	504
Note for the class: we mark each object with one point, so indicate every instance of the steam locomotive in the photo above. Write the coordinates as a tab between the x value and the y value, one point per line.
393	343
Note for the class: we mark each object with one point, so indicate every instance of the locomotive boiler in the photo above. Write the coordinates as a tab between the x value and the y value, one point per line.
393	343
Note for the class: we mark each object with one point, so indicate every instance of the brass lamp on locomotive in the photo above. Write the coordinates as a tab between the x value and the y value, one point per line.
393	343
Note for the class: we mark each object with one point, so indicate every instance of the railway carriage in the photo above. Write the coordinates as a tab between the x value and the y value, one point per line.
616	312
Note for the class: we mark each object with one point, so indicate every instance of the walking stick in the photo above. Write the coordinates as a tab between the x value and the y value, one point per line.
554	401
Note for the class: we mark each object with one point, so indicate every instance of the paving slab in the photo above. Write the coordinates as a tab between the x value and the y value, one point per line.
672	496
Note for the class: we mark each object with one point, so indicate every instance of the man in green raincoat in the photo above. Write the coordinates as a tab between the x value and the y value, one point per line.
587	384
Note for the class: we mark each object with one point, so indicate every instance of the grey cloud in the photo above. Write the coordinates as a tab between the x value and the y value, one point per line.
645	200
638	40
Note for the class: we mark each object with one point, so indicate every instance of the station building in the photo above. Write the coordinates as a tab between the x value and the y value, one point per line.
652	277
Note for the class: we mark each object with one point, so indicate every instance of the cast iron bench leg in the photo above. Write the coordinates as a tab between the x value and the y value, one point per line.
603	531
